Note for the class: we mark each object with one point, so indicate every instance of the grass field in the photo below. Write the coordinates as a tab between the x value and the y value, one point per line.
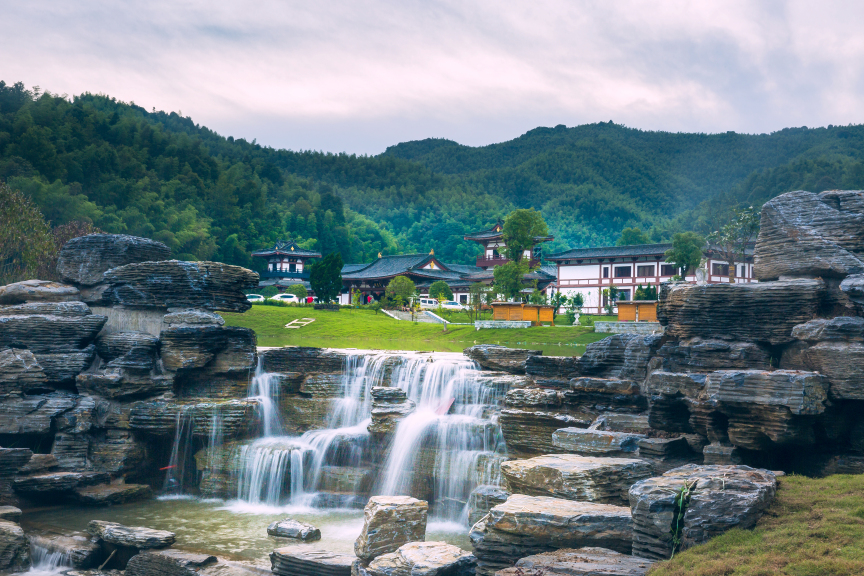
815	527
365	329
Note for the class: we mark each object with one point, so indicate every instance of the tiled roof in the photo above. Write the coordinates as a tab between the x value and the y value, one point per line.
289	248
387	266
463	268
612	252
348	268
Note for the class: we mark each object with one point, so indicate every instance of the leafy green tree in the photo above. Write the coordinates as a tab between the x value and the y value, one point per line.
508	278
731	240
439	290
25	238
631	237
610	295
686	251
299	290
476	293
326	277
399	290
647	293
521	227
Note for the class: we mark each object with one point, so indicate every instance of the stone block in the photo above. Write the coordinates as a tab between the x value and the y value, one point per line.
389	522
296	561
170	563
493	357
135	536
37	291
580	562
290	528
109	494
14	548
623	356
482	499
708	354
421	559
605	394
303	359
596	442
20	372
84	260
53	483
529	433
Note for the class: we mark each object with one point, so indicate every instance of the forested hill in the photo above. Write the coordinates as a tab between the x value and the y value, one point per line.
160	175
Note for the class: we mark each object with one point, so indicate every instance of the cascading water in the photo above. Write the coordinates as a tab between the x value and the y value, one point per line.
47	563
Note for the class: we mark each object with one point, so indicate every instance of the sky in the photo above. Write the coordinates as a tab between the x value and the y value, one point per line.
362	75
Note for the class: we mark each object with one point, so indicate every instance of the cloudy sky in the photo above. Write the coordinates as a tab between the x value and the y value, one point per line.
360	75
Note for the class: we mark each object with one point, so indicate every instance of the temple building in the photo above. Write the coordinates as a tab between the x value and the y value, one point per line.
591	270
287	264
494	248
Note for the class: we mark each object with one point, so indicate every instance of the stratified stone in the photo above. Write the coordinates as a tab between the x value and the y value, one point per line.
192	317
78	547
39	463
302	359
137	536
493	357
421	559
10	513
187	347
706	355
623	356
108	494
529	433
554	371
843	328
672	398
572	477
772	309
716	453
526	525
19	372
34	414
580	562
290	528
597	442
83	260
836	351
14	548
484	498
806	235
160	418
540	398
64	367
120	383
853	288
70	451
496	384
297	561
11	461
614	422
176	284
604	395
389	407
722	497
47	332
117	452
37	291
663	447
389	522
128	349
57	482
169	563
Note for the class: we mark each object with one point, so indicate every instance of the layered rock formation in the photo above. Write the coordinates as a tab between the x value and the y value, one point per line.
421	559
580	562
388	523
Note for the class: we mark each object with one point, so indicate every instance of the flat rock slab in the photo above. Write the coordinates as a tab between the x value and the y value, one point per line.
526	525
580	562
529	432
168	563
294	561
10	513
37	291
572	477
493	357
389	522
724	497
421	559
290	528
57	482
85	259
108	494
79	547
597	442
137	536
14	547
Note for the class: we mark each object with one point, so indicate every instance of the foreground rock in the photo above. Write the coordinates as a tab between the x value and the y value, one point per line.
108	494
580	562
79	547
37	291
389	407
290	528
482	499
295	561
493	357
389	522
421	559
526	525
14	547
168	563
85	259
587	479
597	442
808	235
722	497
134	536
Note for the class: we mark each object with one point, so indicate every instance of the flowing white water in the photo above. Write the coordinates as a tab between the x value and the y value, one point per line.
47	563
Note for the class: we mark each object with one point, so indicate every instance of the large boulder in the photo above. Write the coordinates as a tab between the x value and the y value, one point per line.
160	418
14	548
20	372
597	442
389	406
169	563
806	235
709	354
554	371
226	348
721	497
302	359
177	284
853	288
389	522
134	350
673	396
526	525
580	562
78	547
421	559
37	291
572	477
482	499
290	528
835	349
493	357
623	356
110	494
12	460
297	561
85	259
529	432
134	536
605	395
714	311
53	483
536	398
117	383
35	414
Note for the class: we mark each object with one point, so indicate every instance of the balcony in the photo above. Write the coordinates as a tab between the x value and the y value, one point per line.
271	274
484	262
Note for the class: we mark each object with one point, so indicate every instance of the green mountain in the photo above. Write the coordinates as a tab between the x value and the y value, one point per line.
161	175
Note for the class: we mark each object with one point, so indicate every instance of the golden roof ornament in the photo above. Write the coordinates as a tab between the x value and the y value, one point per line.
432	252
379	255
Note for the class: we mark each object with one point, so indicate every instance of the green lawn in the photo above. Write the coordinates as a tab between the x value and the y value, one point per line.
815	527
349	328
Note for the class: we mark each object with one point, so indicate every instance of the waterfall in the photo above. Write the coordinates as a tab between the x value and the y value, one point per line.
264	389
47	563
175	471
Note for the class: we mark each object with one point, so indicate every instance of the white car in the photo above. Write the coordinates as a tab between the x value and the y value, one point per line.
453	305
428	303
290	298
254	297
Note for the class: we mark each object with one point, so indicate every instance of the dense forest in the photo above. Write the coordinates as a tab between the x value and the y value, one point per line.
94	159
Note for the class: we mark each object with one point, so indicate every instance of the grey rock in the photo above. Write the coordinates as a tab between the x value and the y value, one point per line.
421	559
555	371
719	454
136	350
10	514
724	497
389	407
663	447
572	477
63	368
61	309
136	536
529	433
14	548
672	398
49	334
542	398
482	499
389	522
160	418
117	452
19	372
706	355
527	525
83	260
34	414
580	562
493	357
773	309
623	356
842	363
175	284
121	383
296	561
39	463
845	328
169	563
605	394
57	482
289	528
229	348
808	235
108	494
193	317
70	451
614	422
37	291
78	547
11	461
853	288
597	442
302	359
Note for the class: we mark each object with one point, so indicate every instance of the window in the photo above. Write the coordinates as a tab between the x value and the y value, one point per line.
605	272
292	267
719	269
622	271
624	295
463	298
645	270
667	270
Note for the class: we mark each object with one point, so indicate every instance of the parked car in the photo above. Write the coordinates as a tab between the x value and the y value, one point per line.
428	303
254	298
290	298
453	305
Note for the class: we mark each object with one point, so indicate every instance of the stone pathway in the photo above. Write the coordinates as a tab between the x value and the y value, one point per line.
419	317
